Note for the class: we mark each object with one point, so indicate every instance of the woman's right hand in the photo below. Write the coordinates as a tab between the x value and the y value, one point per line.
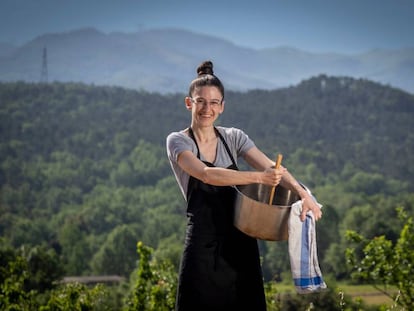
272	176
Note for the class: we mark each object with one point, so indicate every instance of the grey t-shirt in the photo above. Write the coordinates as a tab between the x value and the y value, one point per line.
177	142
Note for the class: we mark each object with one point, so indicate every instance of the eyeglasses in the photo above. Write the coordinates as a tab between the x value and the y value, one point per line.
201	102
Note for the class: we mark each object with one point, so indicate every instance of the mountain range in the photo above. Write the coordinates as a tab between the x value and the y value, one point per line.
164	61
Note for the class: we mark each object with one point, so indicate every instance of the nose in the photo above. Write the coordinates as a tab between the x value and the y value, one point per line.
207	105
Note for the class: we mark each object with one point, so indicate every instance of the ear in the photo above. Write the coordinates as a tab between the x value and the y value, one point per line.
188	103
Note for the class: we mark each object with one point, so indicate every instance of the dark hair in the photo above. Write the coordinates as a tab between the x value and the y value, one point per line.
205	77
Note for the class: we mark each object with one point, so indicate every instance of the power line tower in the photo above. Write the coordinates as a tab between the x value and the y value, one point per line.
43	76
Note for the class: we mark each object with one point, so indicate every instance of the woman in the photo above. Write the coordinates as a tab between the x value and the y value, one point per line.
220	267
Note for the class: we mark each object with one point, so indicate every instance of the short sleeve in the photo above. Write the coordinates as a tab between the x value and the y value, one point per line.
238	141
177	142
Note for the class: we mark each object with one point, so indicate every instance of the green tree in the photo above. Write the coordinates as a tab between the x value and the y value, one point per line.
14	273
117	254
155	284
78	297
385	263
74	244
275	260
25	274
43	266
334	262
170	249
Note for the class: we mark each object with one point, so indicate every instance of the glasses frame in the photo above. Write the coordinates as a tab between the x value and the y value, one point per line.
201	102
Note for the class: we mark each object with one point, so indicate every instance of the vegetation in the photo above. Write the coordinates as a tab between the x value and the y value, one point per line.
84	176
387	264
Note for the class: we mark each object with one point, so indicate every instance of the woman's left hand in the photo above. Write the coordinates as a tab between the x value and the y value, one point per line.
309	204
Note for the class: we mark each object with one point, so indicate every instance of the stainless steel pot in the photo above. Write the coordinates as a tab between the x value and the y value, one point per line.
254	215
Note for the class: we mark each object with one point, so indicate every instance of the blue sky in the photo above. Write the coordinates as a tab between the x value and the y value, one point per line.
347	26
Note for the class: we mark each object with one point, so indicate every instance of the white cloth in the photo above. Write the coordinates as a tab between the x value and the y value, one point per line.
306	273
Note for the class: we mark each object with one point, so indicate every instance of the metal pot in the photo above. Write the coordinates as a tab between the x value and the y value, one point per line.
257	218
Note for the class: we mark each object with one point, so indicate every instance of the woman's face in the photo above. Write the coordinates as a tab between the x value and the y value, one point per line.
206	104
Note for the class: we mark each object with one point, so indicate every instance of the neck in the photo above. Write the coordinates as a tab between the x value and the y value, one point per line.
205	134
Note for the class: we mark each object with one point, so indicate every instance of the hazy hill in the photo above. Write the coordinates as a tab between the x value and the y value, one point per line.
334	120
165	60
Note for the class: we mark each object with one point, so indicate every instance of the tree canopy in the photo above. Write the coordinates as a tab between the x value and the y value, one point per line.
84	172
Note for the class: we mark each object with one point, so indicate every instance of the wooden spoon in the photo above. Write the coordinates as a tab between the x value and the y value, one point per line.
278	162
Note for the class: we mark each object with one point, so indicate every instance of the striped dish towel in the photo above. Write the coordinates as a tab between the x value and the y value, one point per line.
306	273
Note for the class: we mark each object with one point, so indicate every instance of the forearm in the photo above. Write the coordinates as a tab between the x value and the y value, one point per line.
289	182
308	203
218	176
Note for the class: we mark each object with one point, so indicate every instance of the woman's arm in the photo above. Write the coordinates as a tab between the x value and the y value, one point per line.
308	203
219	176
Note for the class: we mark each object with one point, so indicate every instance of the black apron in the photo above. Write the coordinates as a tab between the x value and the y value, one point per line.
220	268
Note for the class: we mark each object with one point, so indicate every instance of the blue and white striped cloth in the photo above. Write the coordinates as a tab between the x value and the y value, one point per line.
306	273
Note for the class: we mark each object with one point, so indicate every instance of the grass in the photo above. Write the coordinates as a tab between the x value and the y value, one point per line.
369	294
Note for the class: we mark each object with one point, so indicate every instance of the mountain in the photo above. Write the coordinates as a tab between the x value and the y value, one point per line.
164	60
327	121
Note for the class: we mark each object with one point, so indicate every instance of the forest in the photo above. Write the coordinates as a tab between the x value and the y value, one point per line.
84	175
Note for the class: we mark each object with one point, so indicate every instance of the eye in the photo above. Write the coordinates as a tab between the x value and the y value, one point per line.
201	102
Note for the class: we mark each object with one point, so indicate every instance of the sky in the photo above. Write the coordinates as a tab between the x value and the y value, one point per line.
346	26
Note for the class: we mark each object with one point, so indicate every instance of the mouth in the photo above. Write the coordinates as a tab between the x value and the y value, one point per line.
205	115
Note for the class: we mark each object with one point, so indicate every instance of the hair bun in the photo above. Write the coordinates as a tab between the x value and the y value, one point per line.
205	68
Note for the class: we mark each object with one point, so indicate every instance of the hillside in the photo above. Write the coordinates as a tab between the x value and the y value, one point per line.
343	119
163	61
83	169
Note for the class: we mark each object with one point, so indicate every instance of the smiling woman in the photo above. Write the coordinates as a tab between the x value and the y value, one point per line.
220	267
